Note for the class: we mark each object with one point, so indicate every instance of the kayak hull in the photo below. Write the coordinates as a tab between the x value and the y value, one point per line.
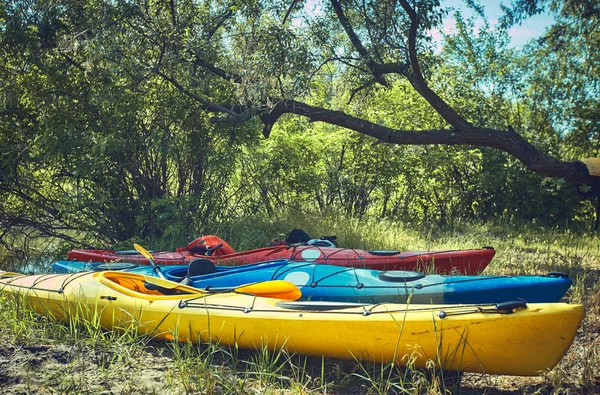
469	338
443	262
333	283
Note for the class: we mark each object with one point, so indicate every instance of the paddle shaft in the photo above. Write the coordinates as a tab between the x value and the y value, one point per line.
150	259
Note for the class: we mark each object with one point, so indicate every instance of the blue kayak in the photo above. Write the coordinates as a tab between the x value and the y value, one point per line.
344	284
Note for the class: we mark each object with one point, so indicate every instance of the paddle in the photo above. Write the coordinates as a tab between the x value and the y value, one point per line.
148	256
278	289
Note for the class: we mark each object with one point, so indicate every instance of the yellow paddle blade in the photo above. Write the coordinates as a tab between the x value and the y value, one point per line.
142	251
279	289
150	259
163	283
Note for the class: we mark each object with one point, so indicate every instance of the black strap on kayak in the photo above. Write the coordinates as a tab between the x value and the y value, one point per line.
284	268
43	277
318	305
365	312
500	308
377	254
203	304
343	270
69	279
384	252
297	250
314	282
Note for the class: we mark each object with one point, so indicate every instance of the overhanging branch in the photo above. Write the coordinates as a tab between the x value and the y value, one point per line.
232	116
505	140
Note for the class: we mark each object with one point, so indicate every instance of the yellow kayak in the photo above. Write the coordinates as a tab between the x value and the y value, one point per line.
511	338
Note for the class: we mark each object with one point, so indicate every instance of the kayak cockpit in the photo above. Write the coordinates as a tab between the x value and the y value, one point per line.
146	287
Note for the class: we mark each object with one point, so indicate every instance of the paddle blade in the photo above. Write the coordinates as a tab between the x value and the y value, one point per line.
142	251
278	289
162	283
150	259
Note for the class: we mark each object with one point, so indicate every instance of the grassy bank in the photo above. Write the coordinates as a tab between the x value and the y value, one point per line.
40	355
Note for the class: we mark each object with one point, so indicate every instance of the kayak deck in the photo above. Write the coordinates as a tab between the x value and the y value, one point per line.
517	339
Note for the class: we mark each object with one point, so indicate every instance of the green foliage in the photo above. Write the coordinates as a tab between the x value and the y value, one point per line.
105	134
97	145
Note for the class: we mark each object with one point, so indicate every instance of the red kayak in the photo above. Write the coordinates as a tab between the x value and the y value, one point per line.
468	262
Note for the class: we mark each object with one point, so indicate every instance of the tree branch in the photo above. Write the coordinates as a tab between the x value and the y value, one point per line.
356	41
226	75
418	81
289	11
504	140
232	115
462	131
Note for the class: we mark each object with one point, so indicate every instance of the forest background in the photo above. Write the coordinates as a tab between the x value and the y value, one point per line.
156	121
108	133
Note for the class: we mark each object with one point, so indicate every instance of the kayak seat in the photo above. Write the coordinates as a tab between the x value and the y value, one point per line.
155	289
137	285
199	267
160	290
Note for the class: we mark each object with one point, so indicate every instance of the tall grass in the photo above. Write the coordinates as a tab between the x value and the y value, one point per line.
93	360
